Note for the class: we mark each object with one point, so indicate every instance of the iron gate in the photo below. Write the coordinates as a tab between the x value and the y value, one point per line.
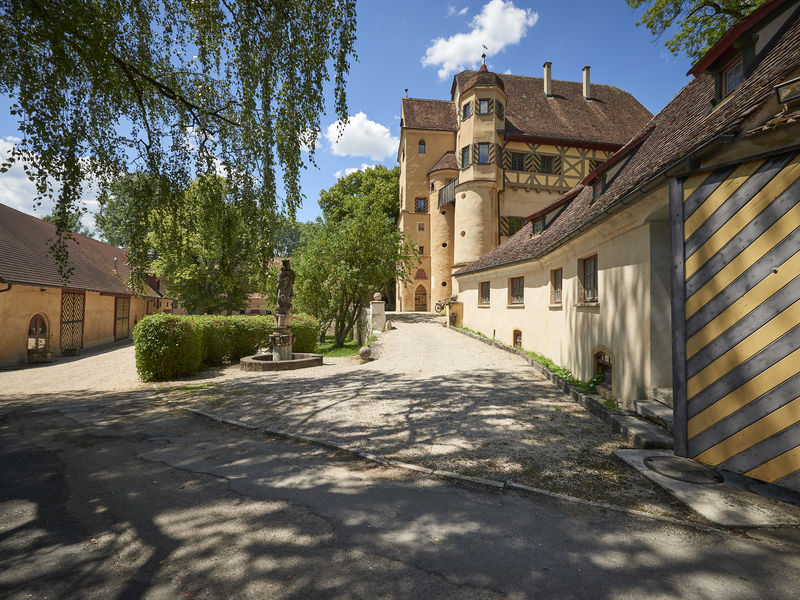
122	313
72	309
736	317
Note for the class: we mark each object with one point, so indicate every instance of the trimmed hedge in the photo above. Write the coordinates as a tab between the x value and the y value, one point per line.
169	346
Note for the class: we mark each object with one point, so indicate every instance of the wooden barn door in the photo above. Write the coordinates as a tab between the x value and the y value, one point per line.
736	317
72	311
122	312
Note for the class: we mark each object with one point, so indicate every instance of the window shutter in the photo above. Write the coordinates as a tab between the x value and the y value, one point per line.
499	110
557	165
506	158
491	106
503	225
529	162
475	154
537	164
492	153
458	159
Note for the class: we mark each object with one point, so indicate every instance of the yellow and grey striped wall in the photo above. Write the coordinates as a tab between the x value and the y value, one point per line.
736	317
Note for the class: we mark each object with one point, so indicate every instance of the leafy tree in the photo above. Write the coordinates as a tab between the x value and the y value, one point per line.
173	89
205	257
702	22
288	233
378	187
73	222
125	209
341	263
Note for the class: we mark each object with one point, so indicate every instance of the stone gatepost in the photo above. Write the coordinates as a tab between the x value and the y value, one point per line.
377	311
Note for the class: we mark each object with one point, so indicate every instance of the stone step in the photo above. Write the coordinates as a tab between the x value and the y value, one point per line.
662	395
640	432
655	412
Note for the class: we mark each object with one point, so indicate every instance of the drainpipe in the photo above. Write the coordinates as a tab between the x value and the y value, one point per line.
8	284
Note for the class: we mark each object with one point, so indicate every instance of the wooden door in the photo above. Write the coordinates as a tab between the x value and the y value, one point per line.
72	311
736	317
420	299
122	312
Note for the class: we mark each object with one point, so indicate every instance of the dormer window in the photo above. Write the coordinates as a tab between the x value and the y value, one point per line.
538	226
732	77
483	106
421	147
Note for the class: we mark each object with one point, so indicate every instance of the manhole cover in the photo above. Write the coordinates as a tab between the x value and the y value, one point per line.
683	469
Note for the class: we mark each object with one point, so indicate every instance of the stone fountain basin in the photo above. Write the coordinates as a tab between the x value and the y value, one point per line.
264	362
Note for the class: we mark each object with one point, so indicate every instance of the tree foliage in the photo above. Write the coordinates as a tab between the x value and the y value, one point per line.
73	223
345	259
173	89
701	23
378	187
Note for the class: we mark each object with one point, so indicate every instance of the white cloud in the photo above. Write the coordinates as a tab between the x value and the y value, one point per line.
17	191
507	72
452	11
362	137
346	172
499	24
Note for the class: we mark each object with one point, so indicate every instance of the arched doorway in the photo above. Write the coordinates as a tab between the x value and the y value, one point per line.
420	299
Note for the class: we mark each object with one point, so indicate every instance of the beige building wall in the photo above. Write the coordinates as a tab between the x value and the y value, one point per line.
442	240
631	321
23	302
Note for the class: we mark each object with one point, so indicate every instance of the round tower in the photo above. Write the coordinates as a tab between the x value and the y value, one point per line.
442	219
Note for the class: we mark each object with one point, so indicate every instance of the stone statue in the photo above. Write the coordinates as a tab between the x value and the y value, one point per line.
285	288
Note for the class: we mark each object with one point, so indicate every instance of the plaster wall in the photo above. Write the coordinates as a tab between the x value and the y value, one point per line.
442	242
475	223
632	270
19	305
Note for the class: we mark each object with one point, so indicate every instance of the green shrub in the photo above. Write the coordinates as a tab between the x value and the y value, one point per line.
170	346
167	346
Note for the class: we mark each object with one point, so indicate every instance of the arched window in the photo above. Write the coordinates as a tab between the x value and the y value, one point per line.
517	338
421	148
37	334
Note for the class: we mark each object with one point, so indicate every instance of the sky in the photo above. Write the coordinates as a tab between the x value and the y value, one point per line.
420	45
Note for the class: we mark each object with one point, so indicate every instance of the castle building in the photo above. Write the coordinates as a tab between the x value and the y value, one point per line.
503	147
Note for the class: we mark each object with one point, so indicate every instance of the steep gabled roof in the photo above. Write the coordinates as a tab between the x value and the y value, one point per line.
448	161
437	115
24	258
677	131
612	117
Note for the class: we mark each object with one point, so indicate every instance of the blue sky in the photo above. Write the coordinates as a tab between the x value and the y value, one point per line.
419	45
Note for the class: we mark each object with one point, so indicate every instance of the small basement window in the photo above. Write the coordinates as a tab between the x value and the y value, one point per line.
603	363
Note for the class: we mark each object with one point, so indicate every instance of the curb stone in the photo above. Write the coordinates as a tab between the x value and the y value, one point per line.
446	474
639	432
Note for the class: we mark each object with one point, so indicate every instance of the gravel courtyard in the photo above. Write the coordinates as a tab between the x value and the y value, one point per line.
434	398
439	399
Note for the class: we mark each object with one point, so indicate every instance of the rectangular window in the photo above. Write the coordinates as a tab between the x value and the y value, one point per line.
465	157
733	77
590	279
422	250
422	205
538	226
517	161
546	164
485	290
558	280
515	224
483	153
483	106
517	290
466	111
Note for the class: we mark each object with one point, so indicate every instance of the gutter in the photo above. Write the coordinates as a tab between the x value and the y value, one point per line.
8	283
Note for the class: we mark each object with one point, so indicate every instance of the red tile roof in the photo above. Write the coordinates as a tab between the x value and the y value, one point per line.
448	161
439	115
24	258
683	126
612	117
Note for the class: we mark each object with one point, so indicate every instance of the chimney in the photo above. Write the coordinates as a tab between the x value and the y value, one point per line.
587	90
547	80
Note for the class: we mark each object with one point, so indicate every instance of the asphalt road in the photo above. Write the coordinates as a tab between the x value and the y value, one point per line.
128	498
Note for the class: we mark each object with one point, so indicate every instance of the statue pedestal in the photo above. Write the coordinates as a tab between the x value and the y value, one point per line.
282	338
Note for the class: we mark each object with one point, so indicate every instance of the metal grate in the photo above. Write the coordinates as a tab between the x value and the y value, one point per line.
122	312
72	308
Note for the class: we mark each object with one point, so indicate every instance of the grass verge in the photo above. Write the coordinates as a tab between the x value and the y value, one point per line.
327	349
